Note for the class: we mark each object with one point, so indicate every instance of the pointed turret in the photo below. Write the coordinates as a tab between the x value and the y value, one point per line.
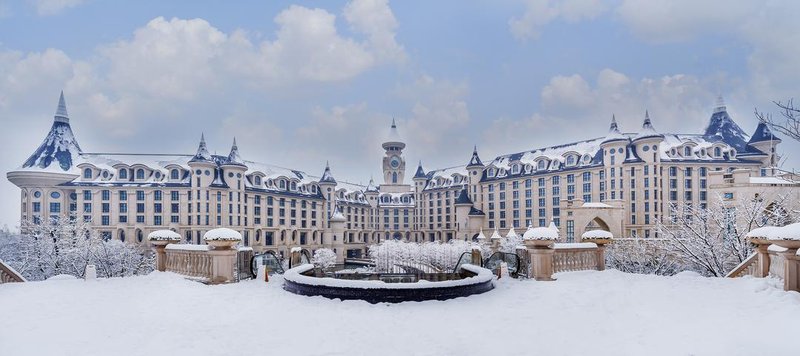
613	132
202	154
420	172
463	198
59	145
371	186
336	215
647	130
327	177
233	157
721	127
763	134
394	139
475	160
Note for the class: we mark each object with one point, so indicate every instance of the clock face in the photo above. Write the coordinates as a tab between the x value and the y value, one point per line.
394	162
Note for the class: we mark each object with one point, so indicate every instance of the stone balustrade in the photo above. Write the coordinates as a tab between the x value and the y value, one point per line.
570	257
770	260
8	274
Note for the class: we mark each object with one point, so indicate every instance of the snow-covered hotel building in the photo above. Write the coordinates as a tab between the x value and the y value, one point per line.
621	182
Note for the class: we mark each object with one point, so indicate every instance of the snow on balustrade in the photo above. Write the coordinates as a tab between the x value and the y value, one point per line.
192	261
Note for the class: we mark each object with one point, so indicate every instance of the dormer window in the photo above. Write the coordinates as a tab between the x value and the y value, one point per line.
542	165
717	152
123	173
570	160
105	174
282	184
687	151
87	173
491	172
587	159
294	186
257	180
174	174
733	153
515	169
140	173
673	152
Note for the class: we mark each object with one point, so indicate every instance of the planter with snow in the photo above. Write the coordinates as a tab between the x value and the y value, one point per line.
600	237
761	235
222	238
540	237
374	288
163	237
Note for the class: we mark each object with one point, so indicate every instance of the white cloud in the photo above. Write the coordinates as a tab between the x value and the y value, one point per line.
375	19
576	108
53	7
539	13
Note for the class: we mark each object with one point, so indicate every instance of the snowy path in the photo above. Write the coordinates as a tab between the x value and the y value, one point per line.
599	313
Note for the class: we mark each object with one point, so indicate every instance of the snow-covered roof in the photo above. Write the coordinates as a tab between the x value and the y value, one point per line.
647	131
771	180
327	176
397	200
233	157
452	177
540	233
763	133
222	234
475	160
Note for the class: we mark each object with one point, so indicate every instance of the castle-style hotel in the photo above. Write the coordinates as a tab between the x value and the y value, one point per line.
623	182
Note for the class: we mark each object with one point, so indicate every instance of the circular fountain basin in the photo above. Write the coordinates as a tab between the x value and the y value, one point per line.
373	287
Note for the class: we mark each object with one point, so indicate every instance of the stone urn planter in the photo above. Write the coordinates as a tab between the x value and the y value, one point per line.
787	244
221	244
761	235
599	237
538	243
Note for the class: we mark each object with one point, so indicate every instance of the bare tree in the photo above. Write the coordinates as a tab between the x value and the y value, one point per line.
642	256
711	240
788	124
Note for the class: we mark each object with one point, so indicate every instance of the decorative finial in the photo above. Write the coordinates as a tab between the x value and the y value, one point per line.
61	111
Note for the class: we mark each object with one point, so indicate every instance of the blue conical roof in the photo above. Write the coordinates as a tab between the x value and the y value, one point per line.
233	157
475	160
60	144
202	154
463	198
420	172
327	177
763	133
721	127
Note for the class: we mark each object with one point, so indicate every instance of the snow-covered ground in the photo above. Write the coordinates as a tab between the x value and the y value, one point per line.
597	313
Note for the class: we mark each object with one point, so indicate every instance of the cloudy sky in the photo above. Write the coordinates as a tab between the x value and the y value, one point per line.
299	84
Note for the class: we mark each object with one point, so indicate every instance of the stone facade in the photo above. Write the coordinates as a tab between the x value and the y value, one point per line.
620	182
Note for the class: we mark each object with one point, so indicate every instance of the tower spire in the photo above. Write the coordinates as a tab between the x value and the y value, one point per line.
720	106
61	112
202	151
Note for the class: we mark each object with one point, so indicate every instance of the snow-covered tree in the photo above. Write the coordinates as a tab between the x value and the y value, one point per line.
324	258
711	240
393	256
67	246
643	256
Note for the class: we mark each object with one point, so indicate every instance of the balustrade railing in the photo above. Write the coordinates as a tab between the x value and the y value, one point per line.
194	263
574	258
8	274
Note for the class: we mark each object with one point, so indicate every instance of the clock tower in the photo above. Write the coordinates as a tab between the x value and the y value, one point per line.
394	165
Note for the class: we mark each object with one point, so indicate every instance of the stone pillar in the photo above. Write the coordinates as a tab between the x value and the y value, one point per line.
542	263
161	254
222	265
541	253
601	253
762	269
791	270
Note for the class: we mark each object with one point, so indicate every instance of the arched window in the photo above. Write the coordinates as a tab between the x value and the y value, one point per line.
570	160
282	184
542	165
257	180
394	177
140	173
294	186
687	151
174	174
123	173
717	152
87	173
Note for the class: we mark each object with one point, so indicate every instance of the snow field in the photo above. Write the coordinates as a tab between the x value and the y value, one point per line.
598	313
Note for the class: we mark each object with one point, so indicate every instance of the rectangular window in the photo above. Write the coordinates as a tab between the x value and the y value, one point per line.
106	195
87	195
55	207
123	195
140	195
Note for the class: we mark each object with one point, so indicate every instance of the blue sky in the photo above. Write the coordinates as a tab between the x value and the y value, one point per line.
301	83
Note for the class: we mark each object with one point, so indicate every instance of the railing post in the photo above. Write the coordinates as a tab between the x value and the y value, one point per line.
222	265
762	268
541	252
161	255
601	254
791	270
